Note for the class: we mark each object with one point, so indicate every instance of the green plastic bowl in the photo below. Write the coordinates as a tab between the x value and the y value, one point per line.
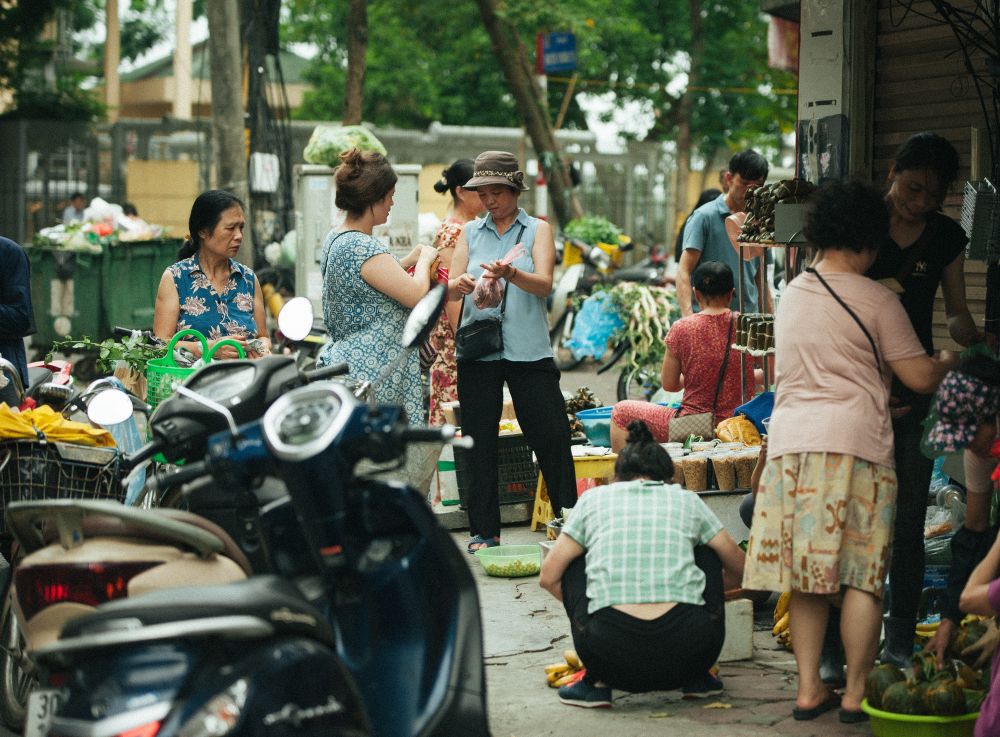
887	724
511	561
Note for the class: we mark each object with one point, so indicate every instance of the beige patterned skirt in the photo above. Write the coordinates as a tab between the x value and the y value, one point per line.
821	521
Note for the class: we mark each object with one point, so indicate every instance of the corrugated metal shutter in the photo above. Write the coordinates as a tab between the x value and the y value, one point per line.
921	83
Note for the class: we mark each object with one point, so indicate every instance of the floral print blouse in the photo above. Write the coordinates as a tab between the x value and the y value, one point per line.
212	314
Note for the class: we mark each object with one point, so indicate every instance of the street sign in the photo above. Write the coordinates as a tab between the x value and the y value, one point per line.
558	53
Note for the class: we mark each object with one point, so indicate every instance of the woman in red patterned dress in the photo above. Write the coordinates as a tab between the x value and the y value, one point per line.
465	206
696	347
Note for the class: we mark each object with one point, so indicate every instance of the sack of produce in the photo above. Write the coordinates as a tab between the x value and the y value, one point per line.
329	141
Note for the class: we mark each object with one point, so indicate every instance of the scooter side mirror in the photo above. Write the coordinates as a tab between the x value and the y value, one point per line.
109	407
423	317
296	318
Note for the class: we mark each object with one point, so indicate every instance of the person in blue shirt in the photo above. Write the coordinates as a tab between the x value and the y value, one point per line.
705	236
16	317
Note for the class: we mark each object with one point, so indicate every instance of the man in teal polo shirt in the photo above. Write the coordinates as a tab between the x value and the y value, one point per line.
705	234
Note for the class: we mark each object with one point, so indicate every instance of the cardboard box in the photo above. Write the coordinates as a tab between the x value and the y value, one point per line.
453	412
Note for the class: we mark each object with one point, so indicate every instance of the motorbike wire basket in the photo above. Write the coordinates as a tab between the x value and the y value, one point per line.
32	470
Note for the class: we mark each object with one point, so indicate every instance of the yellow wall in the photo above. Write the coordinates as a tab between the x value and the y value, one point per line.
162	192
431	201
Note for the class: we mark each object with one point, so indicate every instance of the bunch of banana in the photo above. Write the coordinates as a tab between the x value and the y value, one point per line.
565	673
781	629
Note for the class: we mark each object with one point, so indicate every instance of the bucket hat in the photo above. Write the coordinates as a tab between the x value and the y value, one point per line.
496	167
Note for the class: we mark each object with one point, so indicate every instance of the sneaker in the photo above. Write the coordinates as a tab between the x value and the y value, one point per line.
586	694
703	687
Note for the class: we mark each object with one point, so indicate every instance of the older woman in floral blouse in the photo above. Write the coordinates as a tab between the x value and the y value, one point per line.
207	289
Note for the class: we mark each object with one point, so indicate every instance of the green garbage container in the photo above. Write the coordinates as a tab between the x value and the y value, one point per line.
65	293
131	274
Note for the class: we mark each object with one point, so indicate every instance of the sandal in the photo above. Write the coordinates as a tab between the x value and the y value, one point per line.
481	542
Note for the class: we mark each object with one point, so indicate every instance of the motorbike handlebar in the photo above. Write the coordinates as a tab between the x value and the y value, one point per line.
327	372
444	433
188	472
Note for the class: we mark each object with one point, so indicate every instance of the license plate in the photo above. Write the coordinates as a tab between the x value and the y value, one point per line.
42	706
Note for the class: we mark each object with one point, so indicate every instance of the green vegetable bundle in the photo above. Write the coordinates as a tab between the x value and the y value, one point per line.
593	230
329	141
647	313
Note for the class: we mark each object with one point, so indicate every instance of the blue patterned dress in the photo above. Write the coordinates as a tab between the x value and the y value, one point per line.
365	325
215	315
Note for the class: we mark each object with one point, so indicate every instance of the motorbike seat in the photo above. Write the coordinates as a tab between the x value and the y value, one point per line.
37	375
101	525
273	599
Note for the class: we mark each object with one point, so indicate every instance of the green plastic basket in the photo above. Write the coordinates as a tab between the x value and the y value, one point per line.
163	374
887	724
511	561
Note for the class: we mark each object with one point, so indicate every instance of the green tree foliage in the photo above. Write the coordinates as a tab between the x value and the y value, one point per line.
432	61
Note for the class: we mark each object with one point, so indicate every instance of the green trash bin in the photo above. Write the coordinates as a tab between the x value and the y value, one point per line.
131	274
65	293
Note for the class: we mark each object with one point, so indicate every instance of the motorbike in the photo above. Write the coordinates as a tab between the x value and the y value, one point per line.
588	267
377	634
106	534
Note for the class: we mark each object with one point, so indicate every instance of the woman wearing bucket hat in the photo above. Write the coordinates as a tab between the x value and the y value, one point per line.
525	361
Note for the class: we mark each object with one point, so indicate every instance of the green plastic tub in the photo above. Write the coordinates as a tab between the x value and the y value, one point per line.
887	724
511	561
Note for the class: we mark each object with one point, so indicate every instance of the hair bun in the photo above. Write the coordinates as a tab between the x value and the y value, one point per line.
441	185
638	432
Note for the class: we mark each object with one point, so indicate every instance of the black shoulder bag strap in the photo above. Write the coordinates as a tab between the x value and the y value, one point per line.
725	362
503	302
871	341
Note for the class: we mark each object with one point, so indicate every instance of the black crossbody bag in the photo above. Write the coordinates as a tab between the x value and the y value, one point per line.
481	337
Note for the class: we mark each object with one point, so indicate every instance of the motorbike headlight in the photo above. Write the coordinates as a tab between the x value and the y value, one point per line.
220	715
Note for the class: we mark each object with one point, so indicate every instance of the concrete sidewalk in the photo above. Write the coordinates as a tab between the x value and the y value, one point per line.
525	629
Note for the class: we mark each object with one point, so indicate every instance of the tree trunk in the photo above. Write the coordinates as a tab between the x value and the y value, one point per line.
228	142
513	58
357	47
685	108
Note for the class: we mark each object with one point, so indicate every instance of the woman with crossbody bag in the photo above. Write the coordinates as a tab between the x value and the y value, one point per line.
822	524
698	358
516	352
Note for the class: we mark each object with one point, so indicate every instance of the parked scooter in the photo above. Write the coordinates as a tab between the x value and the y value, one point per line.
391	646
579	279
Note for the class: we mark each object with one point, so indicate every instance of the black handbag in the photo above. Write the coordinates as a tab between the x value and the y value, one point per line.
481	337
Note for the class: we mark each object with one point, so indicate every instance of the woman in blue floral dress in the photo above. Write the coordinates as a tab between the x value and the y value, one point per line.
207	289
367	294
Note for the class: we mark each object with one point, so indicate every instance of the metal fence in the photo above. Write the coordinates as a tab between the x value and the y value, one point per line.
45	162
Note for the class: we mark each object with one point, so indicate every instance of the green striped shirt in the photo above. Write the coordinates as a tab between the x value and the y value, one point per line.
640	538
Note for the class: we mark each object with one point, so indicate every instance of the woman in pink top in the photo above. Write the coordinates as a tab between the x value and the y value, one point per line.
822	523
696	347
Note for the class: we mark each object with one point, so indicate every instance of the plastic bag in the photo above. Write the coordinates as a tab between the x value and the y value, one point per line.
593	326
489	291
329	141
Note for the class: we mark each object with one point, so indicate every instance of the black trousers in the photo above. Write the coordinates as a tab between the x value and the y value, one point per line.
913	472
541	413
639	655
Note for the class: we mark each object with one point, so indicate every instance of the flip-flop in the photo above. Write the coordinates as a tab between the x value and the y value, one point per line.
803	715
849	716
486	542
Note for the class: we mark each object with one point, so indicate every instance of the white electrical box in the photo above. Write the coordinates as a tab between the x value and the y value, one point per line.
316	214
402	229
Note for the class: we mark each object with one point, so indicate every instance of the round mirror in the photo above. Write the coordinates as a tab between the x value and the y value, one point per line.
296	318
423	316
109	407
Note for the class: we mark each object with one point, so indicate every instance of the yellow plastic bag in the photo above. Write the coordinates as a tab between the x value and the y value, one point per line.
738	430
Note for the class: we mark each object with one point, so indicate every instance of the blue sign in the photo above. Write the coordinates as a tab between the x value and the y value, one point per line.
558	53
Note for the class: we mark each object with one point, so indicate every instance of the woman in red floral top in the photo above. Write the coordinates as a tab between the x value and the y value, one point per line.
465	206
695	350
